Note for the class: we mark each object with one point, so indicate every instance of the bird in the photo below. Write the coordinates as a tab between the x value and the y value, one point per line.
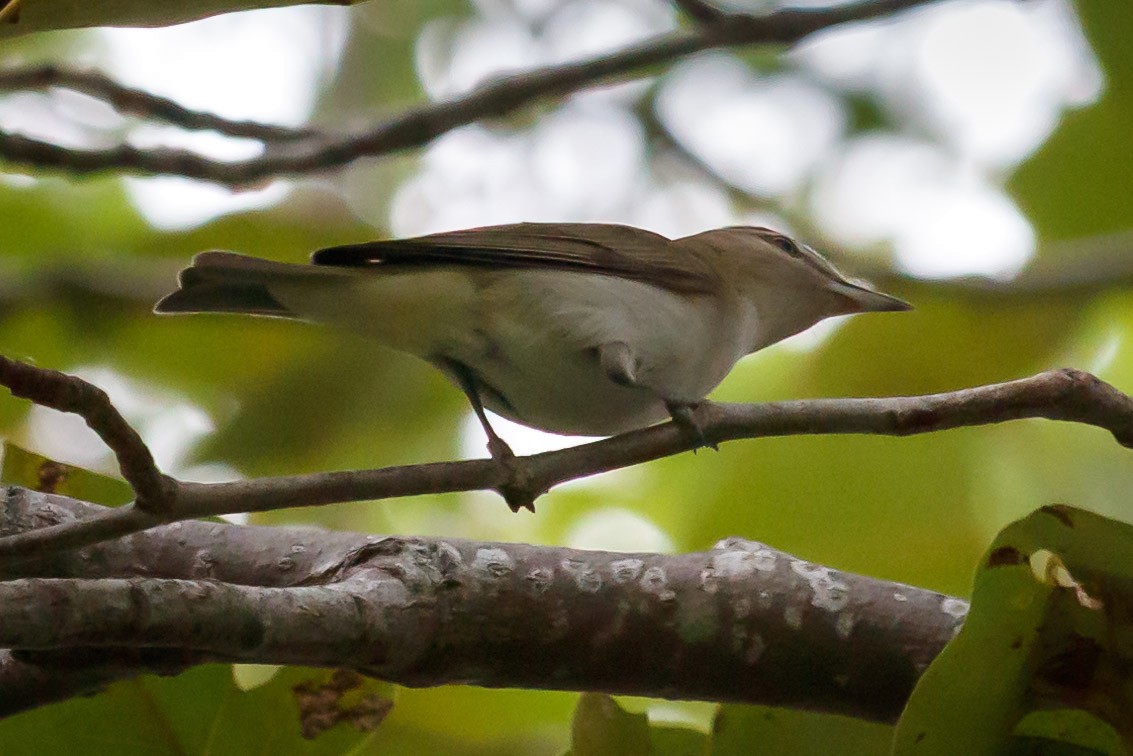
588	329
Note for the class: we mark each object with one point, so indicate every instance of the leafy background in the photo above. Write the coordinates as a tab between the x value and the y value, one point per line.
785	141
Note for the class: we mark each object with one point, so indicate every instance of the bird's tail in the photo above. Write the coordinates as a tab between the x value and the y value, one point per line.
228	282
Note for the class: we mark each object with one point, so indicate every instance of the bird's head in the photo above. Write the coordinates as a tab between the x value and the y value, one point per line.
789	285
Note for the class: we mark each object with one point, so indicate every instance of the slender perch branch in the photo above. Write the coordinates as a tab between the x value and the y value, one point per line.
1067	395
418	126
429	611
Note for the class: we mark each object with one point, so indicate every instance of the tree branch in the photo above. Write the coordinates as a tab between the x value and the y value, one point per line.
730	624
137	102
1067	395
418	126
68	393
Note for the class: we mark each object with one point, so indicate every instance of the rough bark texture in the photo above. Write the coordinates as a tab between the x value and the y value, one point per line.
741	622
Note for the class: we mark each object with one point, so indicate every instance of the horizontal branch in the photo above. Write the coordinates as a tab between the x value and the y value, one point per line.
728	624
1066	395
419	126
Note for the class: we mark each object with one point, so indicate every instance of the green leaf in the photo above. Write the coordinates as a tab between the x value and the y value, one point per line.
30	470
742	730
602	728
46	15
1050	605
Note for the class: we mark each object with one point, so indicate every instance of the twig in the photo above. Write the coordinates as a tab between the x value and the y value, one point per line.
68	393
1068	395
428	611
137	102
418	126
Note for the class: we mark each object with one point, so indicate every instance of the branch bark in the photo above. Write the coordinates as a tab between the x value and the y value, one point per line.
728	624
418	126
140	103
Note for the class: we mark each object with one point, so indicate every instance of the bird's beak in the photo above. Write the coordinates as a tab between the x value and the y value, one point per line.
866	299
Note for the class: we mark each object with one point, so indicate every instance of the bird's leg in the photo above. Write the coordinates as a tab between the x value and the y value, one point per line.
517	491
497	447
618	362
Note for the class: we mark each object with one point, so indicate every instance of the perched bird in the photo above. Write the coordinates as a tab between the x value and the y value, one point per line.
574	328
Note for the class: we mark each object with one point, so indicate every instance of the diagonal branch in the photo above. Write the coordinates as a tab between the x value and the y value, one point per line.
418	126
1067	395
430	611
68	393
140	103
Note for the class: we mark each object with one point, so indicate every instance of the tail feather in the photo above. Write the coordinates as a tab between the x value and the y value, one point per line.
245	299
231	283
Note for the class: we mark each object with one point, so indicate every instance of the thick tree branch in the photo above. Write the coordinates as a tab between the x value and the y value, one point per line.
731	624
421	125
1067	395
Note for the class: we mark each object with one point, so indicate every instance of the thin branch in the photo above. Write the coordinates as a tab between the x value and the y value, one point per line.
140	103
68	393
420	125
431	611
1067	395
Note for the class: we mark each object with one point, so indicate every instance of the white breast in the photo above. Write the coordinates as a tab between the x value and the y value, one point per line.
537	336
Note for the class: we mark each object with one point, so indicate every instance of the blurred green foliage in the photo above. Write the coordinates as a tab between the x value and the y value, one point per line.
80	269
1071	187
200	712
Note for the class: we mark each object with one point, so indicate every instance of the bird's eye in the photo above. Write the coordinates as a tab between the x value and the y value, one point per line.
787	245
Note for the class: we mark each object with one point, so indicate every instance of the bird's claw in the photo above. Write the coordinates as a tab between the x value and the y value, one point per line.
684	415
517	489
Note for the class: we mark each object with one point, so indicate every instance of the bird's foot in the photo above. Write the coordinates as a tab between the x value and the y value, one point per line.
684	415
517	489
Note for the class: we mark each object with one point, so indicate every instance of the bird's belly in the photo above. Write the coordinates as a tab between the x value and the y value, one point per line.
537	353
564	390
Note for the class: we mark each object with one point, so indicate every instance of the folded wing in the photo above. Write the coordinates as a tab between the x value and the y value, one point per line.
599	248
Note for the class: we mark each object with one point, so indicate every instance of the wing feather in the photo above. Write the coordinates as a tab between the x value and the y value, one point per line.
600	248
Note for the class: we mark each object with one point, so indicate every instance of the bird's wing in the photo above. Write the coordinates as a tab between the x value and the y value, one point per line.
603	249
